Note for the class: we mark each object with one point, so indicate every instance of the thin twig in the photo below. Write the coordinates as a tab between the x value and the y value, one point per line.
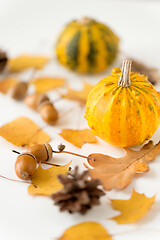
14	180
75	154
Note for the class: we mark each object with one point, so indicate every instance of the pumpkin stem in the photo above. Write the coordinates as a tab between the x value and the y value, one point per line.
124	80
85	21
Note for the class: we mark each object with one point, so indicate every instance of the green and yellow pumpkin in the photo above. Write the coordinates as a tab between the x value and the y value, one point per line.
87	46
124	108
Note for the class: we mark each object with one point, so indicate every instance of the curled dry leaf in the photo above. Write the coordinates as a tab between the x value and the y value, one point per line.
118	172
86	231
24	62
133	209
45	181
23	132
78	137
151	73
6	84
80	96
47	83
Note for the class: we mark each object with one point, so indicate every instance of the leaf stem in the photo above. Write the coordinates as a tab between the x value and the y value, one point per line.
75	154
47	163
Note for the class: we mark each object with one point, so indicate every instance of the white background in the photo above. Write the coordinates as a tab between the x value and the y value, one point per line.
31	26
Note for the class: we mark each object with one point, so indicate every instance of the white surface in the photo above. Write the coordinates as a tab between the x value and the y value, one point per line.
32	26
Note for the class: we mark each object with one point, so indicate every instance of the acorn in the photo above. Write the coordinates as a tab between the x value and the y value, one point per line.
48	113
31	100
34	100
25	166
18	91
42	152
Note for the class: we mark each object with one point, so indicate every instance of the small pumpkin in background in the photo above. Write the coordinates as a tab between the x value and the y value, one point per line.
87	46
124	108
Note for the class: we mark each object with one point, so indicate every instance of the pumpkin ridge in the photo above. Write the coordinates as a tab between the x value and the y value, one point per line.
149	89
83	65
67	28
108	114
106	81
92	51
103	55
100	63
61	46
153	105
123	125
108	31
72	50
142	116
92	110
147	97
110	44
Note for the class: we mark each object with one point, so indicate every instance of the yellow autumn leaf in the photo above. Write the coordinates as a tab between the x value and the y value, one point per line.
23	132
45	181
86	231
80	96
133	209
78	137
6	84
47	83
24	62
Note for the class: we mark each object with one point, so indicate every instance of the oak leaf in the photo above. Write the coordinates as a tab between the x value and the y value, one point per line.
24	62
23	132
47	83
80	96
86	231
6	84
118	172
151	73
78	137
133	209
45	181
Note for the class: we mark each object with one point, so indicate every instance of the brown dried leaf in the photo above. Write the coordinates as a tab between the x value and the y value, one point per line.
118	172
78	137
24	62
23	132
139	202
47	83
80	96
151	73
6	84
45	181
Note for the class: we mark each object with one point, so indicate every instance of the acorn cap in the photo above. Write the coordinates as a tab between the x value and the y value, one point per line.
30	154
49	151
44	104
31	100
42	98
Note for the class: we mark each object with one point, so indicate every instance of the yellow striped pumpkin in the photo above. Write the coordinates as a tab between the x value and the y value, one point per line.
87	46
124	108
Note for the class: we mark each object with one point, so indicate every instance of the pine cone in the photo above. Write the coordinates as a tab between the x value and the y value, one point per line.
3	60
79	194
